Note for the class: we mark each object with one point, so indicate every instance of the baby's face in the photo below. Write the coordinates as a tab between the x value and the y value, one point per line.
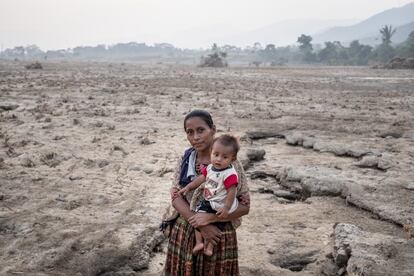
222	156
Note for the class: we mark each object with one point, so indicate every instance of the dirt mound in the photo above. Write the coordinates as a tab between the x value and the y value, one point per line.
34	66
400	63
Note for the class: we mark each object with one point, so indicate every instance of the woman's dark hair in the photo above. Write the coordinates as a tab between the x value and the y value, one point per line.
202	114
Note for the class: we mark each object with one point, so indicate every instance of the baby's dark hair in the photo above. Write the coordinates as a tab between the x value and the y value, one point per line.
229	141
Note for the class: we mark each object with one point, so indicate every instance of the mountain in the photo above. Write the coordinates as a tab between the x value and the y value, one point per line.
400	35
367	30
283	32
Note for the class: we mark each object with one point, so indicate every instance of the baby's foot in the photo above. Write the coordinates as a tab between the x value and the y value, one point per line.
198	247
208	251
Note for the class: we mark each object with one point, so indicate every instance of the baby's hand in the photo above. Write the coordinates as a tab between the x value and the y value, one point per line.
183	191
223	213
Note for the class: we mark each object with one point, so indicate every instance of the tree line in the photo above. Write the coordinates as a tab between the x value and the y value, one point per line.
334	53
331	53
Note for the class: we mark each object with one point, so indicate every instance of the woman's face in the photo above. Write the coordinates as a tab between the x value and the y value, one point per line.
199	134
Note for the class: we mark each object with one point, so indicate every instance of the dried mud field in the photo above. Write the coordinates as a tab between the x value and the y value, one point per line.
87	152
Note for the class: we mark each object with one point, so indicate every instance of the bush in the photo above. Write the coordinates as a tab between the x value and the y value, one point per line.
34	66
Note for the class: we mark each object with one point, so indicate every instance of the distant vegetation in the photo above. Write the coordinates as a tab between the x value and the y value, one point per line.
331	53
216	58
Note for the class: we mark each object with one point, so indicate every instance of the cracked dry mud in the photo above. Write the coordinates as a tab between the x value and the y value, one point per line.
87	152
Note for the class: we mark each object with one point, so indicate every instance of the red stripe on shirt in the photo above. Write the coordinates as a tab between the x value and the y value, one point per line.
231	181
204	171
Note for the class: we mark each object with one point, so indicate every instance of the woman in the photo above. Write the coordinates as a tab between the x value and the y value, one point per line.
182	219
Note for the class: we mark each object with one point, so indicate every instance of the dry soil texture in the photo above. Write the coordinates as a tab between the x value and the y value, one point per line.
87	152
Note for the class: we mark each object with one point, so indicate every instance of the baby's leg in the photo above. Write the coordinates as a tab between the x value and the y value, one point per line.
199	242
208	250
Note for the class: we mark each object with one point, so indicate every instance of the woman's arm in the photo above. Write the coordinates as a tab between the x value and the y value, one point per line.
180	204
201	219
193	185
210	233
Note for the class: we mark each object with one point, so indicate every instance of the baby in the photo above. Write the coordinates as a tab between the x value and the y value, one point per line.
220	185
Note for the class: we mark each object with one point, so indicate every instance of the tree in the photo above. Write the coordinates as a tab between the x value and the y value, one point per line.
305	43
33	51
385	51
334	54
358	54
216	59
386	34
257	46
306	48
406	49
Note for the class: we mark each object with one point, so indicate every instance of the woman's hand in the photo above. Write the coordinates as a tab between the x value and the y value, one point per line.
184	190
223	213
201	219
211	234
174	193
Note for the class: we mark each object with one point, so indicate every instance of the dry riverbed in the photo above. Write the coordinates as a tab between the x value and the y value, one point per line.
87	152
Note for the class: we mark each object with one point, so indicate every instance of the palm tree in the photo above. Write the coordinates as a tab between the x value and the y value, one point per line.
387	32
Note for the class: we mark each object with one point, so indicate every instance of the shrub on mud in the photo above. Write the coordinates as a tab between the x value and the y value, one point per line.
34	66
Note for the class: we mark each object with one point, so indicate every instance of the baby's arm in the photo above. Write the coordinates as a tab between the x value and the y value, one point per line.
193	185
231	195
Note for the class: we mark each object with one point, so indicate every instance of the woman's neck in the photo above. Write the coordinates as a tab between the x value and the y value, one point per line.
204	157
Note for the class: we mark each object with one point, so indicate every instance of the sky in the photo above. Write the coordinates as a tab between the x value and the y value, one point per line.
61	24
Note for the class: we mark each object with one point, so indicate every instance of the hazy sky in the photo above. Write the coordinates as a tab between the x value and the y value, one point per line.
53	24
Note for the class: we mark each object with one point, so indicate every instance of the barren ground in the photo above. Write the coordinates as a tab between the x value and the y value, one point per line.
86	161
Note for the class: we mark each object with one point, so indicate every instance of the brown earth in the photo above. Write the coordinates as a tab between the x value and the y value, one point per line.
87	152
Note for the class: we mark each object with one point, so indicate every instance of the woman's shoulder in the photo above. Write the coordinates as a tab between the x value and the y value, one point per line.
187	152
237	165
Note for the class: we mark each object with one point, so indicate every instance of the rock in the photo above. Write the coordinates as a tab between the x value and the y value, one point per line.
388	201
391	134
262	175
101	252
409	186
384	164
375	162
341	149
8	106
262	190
295	139
102	163
256	135
147	170
251	155
244	160
255	154
409	229
287	195
72	205
263	269
164	170
26	161
146	141
313	181
136	168
75	177
296	260
369	161
308	142
372	254
119	148
329	268
51	159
